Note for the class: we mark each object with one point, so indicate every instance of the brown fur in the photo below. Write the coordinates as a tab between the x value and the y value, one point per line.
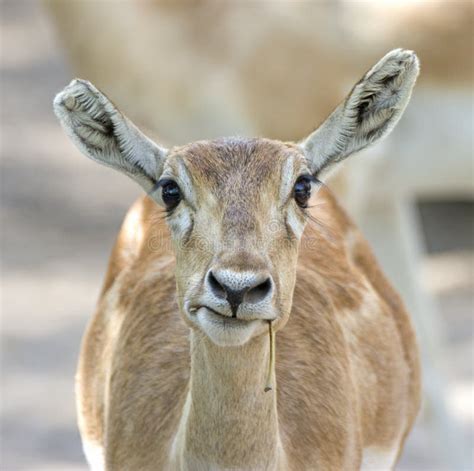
347	368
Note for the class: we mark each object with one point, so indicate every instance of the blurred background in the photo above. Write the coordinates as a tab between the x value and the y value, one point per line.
200	69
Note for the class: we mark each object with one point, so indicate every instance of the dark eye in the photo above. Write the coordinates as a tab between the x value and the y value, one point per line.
170	194
302	191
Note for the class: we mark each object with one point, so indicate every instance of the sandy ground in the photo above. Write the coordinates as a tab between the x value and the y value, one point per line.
60	213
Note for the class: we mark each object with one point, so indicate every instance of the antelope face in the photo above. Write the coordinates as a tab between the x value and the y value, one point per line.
236	207
236	211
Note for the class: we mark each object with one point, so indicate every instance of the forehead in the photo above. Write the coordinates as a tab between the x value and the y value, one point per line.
237	164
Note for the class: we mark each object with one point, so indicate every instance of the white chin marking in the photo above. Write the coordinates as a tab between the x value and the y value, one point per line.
94	454
225	332
379	459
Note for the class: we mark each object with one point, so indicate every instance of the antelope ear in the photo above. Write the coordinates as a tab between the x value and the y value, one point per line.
103	134
369	113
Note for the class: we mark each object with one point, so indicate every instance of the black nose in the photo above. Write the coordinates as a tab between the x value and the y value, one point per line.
250	289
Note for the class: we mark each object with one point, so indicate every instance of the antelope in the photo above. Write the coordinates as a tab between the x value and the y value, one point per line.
244	322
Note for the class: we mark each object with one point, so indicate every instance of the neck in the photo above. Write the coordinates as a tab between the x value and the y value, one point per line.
228	419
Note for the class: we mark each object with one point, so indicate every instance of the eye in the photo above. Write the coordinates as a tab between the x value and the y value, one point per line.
170	194
302	190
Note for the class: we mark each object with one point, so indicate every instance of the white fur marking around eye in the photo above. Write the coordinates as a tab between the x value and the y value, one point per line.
287	178
180	222
296	223
185	182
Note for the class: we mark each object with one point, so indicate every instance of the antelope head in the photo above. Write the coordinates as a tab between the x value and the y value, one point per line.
237	208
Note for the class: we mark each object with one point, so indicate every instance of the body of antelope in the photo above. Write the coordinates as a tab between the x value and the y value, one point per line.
233	235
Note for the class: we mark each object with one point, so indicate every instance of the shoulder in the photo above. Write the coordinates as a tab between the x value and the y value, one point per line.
143	232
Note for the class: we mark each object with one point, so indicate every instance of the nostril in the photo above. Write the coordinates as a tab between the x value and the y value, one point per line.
259	293
215	286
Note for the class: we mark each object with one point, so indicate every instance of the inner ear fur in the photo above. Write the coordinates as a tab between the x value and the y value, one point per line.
105	135
369	113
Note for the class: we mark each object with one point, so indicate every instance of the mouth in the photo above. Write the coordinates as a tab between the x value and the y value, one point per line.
220	320
224	330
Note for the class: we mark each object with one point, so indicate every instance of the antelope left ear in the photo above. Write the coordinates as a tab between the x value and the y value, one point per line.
369	113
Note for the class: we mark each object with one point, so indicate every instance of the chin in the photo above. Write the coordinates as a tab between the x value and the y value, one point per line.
226	331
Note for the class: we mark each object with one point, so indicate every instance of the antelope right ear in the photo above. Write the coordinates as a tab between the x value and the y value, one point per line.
103	134
369	113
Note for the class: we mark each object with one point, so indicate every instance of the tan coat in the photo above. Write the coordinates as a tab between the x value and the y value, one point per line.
347	369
